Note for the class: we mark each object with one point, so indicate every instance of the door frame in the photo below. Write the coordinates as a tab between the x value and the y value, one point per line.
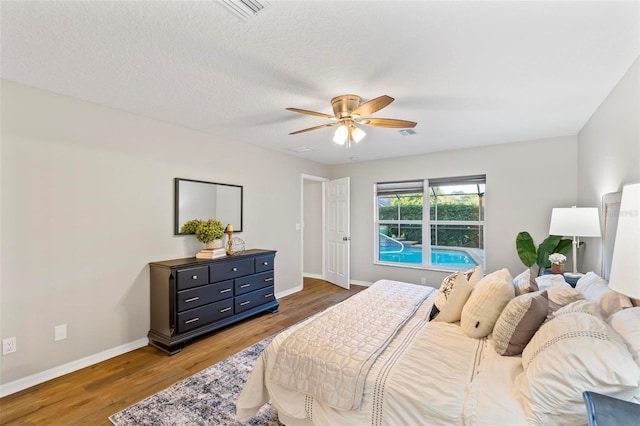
321	180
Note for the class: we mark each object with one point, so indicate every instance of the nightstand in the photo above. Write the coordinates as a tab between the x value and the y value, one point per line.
572	281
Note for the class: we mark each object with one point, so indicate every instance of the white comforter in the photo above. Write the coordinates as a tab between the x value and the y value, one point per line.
331	356
422	377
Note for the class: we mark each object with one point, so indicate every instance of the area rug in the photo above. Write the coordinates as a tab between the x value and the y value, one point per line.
206	398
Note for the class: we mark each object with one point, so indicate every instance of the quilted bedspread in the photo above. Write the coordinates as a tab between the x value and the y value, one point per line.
330	356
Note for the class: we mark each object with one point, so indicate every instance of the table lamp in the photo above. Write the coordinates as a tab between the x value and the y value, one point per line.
575	222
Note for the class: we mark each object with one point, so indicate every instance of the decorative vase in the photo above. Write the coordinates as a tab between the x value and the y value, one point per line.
557	268
215	244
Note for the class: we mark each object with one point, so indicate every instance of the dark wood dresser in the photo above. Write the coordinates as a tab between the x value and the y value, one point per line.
191	297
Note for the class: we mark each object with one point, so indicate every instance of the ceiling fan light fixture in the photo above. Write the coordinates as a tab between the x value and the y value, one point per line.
357	134
244	9
340	137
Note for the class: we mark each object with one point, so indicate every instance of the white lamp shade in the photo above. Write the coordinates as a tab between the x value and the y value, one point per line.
625	264
357	134
575	222
340	137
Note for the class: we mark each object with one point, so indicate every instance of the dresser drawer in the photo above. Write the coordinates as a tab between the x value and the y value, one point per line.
204	315
264	263
253	282
255	298
192	277
198	296
232	269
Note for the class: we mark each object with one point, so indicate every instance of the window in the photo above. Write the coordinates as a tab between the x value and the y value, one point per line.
436	223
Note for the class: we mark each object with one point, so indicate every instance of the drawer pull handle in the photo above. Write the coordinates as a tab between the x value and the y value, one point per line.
194	277
265	263
225	310
226	290
245	285
268	295
268	279
192	320
234	269
245	303
193	299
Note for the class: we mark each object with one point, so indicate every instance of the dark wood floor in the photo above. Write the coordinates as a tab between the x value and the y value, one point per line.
89	396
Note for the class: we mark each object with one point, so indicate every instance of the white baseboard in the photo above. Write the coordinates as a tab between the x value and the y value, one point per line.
288	292
316	276
36	379
320	277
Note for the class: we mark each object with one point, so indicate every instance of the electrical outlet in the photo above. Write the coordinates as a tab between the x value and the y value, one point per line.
9	346
423	280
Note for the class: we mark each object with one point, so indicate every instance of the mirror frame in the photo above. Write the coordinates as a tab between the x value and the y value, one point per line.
177	182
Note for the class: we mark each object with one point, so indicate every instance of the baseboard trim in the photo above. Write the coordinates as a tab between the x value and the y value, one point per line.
362	283
316	276
288	292
36	379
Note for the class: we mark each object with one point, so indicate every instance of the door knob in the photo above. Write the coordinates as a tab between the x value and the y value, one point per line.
346	238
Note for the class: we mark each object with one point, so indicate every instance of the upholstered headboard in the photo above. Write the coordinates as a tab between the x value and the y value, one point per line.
610	213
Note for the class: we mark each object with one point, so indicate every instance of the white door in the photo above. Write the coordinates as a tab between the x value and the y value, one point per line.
336	232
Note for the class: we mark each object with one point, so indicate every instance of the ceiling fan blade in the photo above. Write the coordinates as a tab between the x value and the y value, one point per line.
317	114
373	105
388	122
314	128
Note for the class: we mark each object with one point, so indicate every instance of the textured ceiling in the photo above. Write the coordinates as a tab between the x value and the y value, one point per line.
470	73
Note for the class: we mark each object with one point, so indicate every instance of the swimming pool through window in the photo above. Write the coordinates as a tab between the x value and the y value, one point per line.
430	223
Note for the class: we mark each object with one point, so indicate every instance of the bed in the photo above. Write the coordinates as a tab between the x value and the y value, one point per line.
480	350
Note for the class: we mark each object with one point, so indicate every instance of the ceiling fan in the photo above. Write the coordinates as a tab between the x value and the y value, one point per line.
348	111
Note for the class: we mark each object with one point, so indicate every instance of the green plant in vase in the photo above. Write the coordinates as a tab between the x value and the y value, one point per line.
530	256
207	231
190	226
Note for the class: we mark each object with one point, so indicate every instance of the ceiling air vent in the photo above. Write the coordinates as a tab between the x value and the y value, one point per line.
301	149
407	132
244	9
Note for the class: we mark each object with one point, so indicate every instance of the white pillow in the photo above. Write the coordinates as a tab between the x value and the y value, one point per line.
596	288
452	309
627	324
574	352
488	298
545	282
525	283
583	305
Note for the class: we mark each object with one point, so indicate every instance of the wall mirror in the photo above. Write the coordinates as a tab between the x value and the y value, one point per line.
196	199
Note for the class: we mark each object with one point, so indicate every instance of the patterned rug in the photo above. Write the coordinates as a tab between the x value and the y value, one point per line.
206	398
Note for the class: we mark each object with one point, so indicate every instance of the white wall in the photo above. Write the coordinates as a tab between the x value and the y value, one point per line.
609	152
525	180
87	202
312	221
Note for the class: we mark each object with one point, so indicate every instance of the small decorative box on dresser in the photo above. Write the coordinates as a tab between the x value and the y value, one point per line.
191	297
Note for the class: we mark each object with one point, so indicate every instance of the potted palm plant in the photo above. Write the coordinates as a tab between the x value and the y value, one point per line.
209	232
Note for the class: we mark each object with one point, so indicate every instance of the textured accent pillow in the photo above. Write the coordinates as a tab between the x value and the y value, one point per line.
452	309
525	283
571	353
474	275
627	324
560	297
489	297
443	294
596	288
518	322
